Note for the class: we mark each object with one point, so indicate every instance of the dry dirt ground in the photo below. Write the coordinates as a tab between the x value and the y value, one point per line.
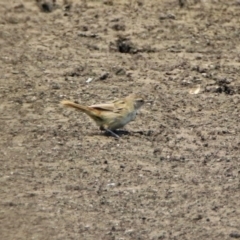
175	175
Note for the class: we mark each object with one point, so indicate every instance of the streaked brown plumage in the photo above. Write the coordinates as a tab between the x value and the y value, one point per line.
111	116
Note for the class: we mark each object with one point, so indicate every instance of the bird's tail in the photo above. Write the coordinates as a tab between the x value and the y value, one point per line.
88	110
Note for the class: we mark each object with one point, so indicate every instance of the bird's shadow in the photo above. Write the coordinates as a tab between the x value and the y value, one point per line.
121	133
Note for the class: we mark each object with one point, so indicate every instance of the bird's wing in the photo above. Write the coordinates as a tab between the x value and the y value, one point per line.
104	106
115	106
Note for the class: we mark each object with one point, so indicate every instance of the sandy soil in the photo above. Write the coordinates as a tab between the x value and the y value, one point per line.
176	175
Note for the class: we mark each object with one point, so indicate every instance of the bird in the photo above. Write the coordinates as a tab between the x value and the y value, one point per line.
113	115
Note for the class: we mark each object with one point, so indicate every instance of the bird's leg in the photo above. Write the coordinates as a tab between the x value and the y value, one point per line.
104	128
114	134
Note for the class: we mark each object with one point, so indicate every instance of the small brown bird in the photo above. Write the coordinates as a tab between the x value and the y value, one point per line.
111	116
